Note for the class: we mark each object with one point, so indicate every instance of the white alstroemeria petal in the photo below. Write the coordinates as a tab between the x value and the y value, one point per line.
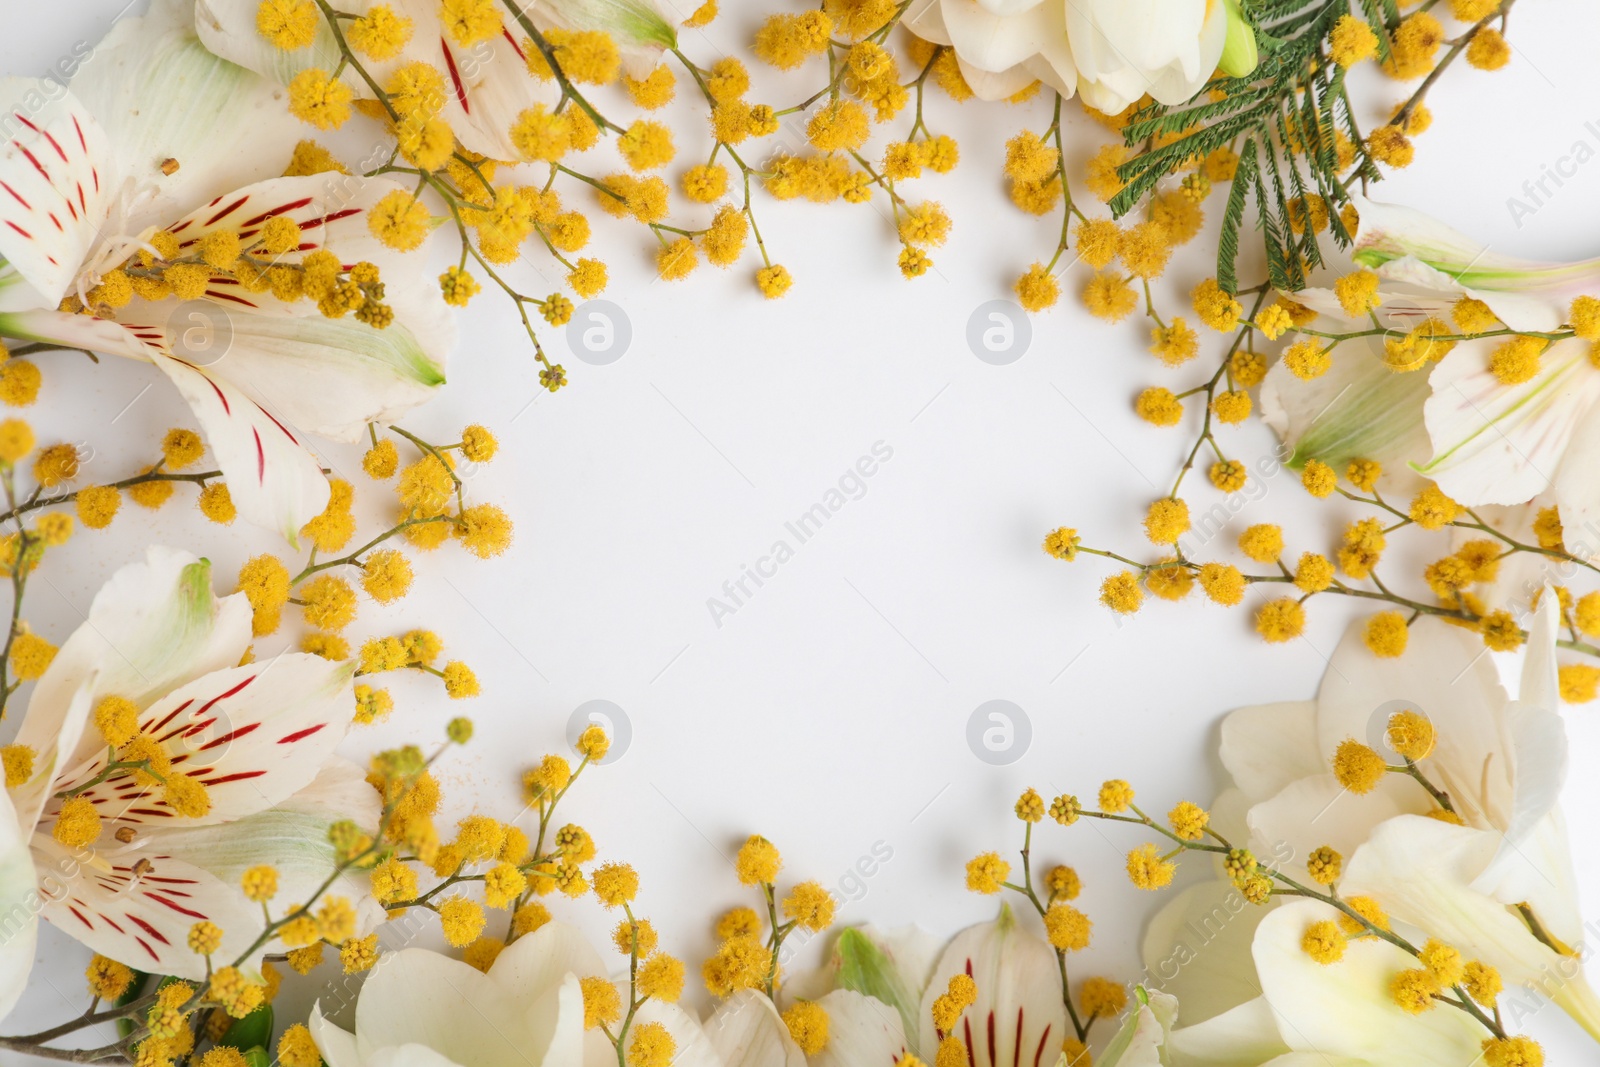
424	998
154	626
1317	811
1422	870
329	377
541	960
1345	1008
889	965
293	837
52	735
58	179
274	481
228	28
338	1047
1445	674
1246	1036
1267	746
862	1032
142	917
643	29
1197	949
1540	686
131	340
1229	814
746	1031
1408	245
1577	490
491	89
1143	1036
161	95
253	736
1016	1014
19	904
1358	409
1503	444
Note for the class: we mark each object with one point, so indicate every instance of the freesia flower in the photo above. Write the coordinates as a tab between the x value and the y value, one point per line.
423	1008
485	73
160	141
1495	880
161	770
1112	52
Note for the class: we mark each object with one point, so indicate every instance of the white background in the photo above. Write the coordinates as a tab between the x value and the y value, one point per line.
829	713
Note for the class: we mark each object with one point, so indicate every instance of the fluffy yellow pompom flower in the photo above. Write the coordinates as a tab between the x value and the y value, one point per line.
386	575
20	380
541	135
1358	767
1166	521
380	34
31	655
1188	820
810	905
216	503
1067	927
651	1045
319	100
602	1005
986	873
1281	620
1121	593
807	1023
1147	870
1324	942
758	861
399	220
461	919
289	24
1386	634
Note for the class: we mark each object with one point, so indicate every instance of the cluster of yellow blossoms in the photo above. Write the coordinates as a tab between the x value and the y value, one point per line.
198	259
1459	582
1443	976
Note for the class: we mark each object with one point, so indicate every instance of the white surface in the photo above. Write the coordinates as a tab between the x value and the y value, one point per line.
829	712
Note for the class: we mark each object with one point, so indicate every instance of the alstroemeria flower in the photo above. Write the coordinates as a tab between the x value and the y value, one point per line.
1409	248
1488	441
487	80
872	988
259	738
83	189
1483	886
1018	1012
423	1009
1307	1012
1112	52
